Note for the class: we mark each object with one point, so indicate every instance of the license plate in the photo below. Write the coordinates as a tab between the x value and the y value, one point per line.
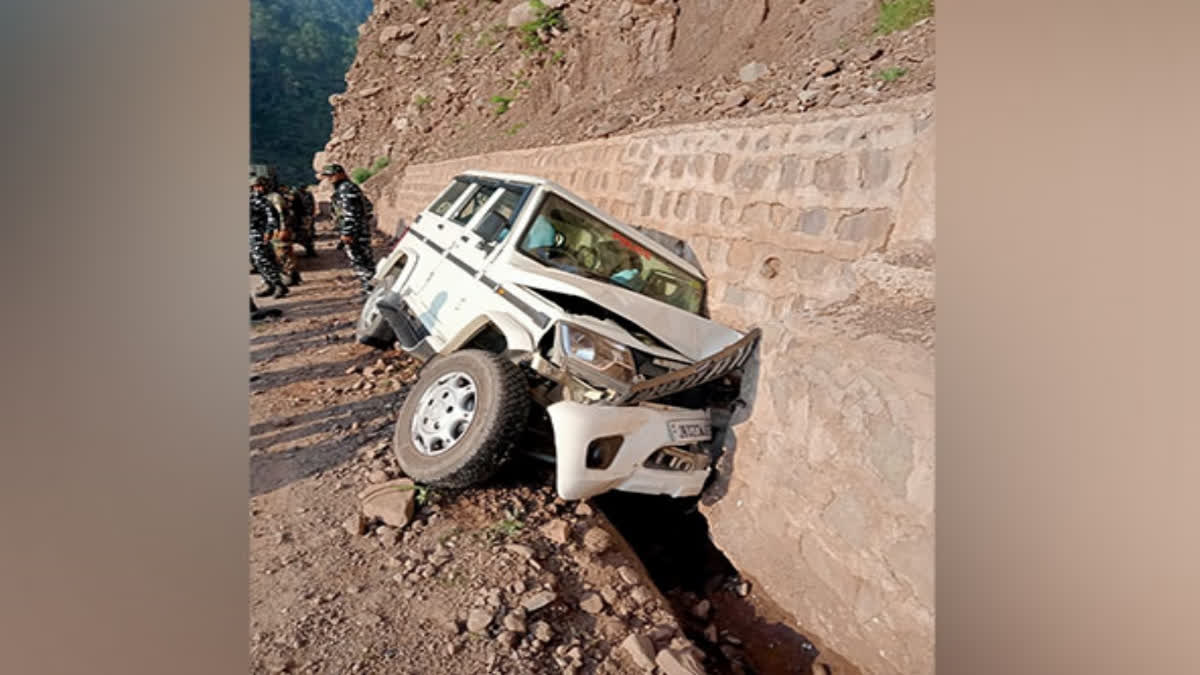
689	432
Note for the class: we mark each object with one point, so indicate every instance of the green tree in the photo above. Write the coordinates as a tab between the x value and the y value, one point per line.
299	53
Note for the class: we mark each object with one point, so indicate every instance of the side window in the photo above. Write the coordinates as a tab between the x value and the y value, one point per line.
473	204
447	198
497	223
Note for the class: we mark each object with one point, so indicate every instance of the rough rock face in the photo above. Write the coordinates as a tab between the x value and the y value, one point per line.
459	79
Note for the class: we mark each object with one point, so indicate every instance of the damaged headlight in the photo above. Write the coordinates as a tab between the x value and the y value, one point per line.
595	358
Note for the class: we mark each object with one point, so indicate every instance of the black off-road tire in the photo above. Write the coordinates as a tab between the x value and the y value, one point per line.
374	331
501	412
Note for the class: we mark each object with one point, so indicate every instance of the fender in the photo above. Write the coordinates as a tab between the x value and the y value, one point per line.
518	338
389	262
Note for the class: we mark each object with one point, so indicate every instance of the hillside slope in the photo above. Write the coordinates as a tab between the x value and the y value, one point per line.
465	77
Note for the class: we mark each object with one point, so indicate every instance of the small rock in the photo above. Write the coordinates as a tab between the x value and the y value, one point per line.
556	531
407	30
387	536
392	502
356	525
538	600
641	595
478	620
597	540
627	574
367	619
507	639
675	662
592	603
752	71
521	14
422	21
377	476
807	97
867	54
353	369
542	631
702	608
523	551
583	510
743	588
389	33
640	650
609	594
735	99
613	125
575	654
514	622
827	67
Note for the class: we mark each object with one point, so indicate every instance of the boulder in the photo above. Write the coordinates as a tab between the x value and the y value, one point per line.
392	502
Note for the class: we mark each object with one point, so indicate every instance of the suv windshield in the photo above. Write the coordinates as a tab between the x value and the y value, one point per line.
568	238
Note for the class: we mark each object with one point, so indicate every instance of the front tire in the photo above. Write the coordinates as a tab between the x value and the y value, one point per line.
461	419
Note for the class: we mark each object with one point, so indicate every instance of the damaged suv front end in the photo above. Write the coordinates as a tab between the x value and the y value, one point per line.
614	428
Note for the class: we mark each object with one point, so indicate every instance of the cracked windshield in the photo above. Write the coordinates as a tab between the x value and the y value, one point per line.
566	237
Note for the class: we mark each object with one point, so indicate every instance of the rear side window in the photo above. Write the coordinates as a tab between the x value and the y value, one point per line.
473	204
443	203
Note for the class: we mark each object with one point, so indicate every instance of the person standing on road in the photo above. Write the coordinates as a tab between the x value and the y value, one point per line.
283	237
350	214
307	206
264	221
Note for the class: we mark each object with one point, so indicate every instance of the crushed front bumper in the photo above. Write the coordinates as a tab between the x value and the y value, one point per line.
643	430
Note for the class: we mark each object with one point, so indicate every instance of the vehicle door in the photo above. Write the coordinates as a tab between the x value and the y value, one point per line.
434	231
485	228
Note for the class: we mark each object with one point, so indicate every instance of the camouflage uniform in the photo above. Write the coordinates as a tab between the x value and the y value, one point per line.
350	214
282	239
264	220
306	233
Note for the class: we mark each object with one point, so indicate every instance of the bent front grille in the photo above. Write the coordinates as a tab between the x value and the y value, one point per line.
716	366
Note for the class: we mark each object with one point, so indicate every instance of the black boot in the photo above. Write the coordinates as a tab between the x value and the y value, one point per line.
264	291
281	292
295	277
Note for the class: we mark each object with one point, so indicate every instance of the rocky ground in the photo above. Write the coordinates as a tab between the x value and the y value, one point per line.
448	78
354	569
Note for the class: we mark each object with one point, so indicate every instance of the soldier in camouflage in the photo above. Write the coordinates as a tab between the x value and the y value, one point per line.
264	221
351	213
283	237
307	233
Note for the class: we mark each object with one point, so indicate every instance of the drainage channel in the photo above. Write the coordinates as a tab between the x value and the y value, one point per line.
739	630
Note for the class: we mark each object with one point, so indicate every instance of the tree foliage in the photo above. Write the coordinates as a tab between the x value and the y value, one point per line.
299	53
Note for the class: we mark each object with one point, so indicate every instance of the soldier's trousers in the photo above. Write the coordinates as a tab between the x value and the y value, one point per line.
359	252
286	256
264	261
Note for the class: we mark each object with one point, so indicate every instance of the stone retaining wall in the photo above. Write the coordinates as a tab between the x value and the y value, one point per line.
820	230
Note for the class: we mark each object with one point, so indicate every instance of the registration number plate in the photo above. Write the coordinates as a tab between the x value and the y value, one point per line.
689	432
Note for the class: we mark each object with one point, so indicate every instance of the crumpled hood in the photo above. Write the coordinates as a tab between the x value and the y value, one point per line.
691	335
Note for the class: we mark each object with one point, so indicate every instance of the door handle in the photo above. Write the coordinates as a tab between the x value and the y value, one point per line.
441	226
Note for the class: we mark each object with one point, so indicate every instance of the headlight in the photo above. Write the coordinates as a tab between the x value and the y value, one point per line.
596	358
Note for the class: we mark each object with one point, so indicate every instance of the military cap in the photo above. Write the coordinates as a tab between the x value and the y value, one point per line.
257	180
332	170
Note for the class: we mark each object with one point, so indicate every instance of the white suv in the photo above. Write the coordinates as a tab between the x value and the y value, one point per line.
527	294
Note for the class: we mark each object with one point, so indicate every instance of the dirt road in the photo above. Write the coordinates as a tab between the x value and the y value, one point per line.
506	579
